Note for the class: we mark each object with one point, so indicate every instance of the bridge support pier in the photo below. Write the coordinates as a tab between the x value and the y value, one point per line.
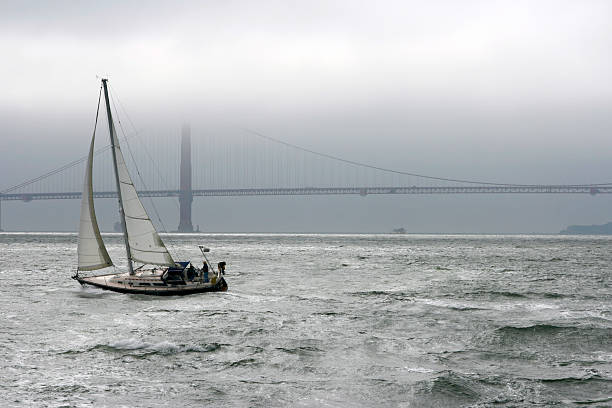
186	193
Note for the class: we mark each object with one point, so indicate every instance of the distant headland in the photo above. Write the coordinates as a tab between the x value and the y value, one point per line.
605	229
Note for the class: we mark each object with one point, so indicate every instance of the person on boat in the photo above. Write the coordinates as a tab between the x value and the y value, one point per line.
205	271
221	267
191	273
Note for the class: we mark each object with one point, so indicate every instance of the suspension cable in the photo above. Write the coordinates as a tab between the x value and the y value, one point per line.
62	168
269	138
404	173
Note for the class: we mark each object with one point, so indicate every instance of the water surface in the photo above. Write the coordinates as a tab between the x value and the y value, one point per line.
317	320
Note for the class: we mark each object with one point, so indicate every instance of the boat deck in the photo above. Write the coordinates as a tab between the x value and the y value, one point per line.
150	282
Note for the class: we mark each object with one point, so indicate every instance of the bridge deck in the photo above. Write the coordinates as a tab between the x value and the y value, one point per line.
543	189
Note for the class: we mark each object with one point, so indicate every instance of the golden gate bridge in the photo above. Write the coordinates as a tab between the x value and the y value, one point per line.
256	165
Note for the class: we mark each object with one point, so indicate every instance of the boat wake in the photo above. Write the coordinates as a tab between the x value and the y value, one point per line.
87	292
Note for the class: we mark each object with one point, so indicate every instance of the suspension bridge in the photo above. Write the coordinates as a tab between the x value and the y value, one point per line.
252	165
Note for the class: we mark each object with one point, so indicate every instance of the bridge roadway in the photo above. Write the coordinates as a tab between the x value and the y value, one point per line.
363	191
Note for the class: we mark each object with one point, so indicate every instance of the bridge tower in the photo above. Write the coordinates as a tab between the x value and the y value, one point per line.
186	193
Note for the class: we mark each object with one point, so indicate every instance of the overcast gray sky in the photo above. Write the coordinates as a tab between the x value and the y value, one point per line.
506	91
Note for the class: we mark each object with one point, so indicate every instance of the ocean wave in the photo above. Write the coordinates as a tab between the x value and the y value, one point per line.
593	401
162	347
494	293
329	313
548	341
370	293
554	295
538	328
449	389
400	296
243	362
465	308
452	305
518	295
304	350
569	336
602	359
64	389
595	378
546	279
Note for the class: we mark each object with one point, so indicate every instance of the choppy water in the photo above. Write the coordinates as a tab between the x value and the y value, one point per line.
317	320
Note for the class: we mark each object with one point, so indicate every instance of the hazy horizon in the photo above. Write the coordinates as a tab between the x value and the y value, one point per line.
504	91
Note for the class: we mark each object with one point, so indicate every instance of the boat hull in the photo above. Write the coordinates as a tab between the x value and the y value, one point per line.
169	290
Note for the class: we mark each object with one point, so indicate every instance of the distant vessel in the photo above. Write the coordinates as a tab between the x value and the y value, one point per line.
142	242
399	230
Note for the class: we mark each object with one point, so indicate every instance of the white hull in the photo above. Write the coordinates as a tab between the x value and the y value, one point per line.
150	282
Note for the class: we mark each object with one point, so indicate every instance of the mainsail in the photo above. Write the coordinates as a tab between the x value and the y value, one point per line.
91	251
145	244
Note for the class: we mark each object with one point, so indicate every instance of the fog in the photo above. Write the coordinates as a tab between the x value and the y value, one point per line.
498	91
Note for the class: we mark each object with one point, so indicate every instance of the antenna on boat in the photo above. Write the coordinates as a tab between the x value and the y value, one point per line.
203	249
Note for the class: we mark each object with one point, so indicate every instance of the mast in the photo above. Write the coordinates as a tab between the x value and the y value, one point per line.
111	129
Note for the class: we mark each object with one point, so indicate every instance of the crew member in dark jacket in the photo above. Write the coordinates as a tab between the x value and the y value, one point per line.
221	266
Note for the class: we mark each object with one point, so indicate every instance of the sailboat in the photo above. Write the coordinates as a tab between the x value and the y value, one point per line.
159	274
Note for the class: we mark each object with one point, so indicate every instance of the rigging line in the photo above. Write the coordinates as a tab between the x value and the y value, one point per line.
405	173
165	182
135	165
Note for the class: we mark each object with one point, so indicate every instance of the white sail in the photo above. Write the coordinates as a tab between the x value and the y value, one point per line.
145	244
91	251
